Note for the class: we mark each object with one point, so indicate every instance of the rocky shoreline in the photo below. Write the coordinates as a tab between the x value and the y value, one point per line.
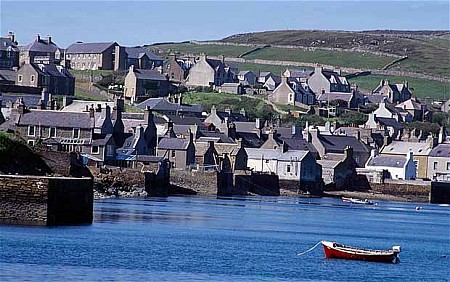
134	191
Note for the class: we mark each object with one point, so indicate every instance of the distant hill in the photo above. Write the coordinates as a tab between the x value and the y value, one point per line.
421	57
427	51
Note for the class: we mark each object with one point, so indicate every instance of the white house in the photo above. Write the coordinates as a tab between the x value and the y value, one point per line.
290	165
398	167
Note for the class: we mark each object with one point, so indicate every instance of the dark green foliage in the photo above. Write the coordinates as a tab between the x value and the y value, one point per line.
311	119
352	119
426	127
441	118
17	157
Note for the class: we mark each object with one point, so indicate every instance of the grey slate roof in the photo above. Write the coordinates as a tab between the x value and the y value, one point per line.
215	64
161	104
167	143
30	101
40	45
337	144
56	119
138	52
300	73
8	75
390	122
335	96
149	75
441	150
89	48
388	161
100	139
6	44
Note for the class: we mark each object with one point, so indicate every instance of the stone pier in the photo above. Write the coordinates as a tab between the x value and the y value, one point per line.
39	200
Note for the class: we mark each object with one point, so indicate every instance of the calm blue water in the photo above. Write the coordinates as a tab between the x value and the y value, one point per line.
246	239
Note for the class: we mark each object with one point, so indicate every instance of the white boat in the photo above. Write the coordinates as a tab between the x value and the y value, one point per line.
357	201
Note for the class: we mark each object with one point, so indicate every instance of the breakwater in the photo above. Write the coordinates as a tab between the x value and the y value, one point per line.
39	200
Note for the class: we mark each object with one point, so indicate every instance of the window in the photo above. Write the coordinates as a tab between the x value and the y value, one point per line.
20	78
52	132
95	150
76	133
31	130
173	153
435	165
288	168
448	165
32	78
30	142
357	160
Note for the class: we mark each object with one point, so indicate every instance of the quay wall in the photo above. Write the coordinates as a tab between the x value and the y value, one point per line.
38	200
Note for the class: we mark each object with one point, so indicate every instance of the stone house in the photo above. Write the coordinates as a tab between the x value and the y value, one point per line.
208	72
247	78
174	69
172	105
340	170
206	155
9	52
231	87
389	125
232	156
394	92
272	82
142	58
439	163
41	51
386	110
297	75
179	151
220	119
290	94
415	108
325	81
142	84
332	147
55	78
396	167
288	165
96	56
421	152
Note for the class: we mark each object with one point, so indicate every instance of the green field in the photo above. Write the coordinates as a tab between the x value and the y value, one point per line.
334	58
422	87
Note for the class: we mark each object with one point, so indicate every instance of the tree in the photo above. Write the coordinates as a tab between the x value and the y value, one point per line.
311	119
352	118
441	118
426	127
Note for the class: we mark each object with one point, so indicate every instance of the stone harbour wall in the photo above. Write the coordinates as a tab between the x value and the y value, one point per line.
39	200
23	200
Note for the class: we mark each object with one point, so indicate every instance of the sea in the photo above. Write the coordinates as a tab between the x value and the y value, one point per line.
231	239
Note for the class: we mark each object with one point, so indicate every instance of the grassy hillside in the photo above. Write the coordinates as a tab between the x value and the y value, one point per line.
335	58
428	51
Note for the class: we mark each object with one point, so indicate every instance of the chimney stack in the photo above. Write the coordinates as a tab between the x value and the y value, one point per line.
49	39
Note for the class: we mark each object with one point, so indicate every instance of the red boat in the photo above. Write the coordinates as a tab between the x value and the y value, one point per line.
335	250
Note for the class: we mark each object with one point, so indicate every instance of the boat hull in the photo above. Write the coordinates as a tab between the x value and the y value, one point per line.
331	253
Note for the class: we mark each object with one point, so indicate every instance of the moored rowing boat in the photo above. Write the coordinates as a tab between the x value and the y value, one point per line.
335	250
